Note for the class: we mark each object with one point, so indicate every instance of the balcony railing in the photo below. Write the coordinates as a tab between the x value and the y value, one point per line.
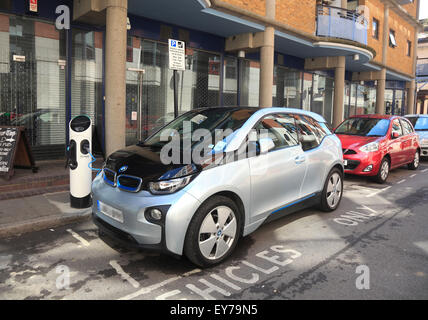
340	23
422	67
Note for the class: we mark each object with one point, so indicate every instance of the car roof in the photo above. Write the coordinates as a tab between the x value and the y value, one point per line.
376	116
263	111
416	115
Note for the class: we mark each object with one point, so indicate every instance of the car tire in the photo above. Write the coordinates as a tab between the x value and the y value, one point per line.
206	235
383	172
333	191
414	165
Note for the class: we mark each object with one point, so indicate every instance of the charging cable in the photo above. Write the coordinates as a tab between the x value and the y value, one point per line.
90	163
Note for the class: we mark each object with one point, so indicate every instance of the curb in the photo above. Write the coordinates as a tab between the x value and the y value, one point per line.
37	224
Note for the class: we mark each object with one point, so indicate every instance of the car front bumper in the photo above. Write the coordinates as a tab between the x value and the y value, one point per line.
360	161
136	230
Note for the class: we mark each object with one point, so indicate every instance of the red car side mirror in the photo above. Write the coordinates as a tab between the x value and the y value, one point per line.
395	135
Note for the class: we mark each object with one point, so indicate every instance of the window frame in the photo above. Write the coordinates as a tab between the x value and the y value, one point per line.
409	48
392	127
392	39
290	115
405	122
375	33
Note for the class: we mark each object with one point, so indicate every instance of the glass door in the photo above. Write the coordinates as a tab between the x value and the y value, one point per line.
389	101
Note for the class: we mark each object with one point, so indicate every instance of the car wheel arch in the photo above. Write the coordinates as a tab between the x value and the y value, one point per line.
236	199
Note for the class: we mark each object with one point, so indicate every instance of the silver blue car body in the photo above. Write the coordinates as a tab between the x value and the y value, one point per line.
422	132
290	177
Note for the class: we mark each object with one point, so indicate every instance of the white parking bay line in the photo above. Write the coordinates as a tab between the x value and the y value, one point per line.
413	175
75	235
401	181
425	170
156	286
124	275
377	192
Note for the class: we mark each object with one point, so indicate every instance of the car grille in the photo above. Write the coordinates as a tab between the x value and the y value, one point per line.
109	177
348	151
352	164
129	183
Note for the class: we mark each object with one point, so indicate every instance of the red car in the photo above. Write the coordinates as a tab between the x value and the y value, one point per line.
375	144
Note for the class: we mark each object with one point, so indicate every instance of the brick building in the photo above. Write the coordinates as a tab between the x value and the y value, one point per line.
336	58
422	72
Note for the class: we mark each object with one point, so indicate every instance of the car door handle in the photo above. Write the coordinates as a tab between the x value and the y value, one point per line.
300	159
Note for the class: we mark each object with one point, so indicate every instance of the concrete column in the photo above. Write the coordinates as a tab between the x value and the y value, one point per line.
267	51
380	92
115	74
411	97
385	33
339	91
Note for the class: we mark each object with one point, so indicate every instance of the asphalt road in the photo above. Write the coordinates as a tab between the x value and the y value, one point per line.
375	246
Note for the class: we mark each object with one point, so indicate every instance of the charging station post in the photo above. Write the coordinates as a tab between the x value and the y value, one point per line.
78	160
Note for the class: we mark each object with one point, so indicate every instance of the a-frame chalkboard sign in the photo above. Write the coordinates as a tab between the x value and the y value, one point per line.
15	151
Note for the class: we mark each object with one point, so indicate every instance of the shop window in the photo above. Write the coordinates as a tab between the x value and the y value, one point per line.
230	81
287	88
249	80
32	90
322	96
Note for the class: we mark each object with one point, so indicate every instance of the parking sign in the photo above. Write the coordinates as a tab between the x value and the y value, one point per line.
177	56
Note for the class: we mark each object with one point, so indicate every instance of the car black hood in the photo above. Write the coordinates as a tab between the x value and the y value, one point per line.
145	163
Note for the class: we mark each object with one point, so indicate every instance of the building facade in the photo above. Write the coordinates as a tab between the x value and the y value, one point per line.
422	72
336	58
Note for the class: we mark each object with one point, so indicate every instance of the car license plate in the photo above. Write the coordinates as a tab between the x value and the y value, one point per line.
110	211
345	162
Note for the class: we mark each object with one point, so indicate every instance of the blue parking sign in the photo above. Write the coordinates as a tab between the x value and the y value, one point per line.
173	43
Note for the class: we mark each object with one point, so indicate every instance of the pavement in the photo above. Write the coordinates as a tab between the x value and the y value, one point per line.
29	214
374	246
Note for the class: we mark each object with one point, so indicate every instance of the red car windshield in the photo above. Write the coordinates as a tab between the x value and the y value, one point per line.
365	127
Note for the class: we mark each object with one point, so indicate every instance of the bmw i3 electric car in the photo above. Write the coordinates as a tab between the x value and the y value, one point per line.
267	162
420	123
375	144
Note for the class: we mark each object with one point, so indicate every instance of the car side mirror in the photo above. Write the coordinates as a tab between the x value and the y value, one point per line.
395	135
266	144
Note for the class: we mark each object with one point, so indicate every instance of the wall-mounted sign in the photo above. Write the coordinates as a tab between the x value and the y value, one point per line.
177	56
18	58
33	6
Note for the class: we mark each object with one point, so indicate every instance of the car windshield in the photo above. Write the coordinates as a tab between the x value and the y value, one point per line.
366	127
419	123
210	119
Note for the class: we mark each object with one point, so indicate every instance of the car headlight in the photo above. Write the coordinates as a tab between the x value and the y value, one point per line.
370	147
169	186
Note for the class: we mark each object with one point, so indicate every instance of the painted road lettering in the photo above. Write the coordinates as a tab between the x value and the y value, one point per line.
352	218
222	285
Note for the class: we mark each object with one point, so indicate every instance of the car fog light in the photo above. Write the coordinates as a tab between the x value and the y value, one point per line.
156	214
369	168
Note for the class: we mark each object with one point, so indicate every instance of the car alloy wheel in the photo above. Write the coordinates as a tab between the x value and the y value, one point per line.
384	170
217	233
415	163
416	160
334	190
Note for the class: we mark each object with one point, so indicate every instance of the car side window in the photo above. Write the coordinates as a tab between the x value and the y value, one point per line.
281	128
396	127
407	127
311	133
